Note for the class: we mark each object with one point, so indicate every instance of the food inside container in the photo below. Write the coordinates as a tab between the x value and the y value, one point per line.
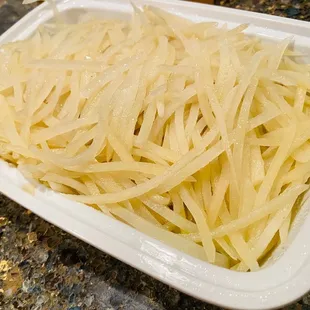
193	133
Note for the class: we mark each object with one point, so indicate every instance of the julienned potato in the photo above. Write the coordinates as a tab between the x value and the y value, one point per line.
192	133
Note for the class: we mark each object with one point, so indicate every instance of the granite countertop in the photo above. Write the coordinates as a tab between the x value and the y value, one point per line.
42	267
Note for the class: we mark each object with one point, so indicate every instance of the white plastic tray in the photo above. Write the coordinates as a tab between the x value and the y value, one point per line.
282	282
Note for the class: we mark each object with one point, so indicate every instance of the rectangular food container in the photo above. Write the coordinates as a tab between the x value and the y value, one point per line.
285	278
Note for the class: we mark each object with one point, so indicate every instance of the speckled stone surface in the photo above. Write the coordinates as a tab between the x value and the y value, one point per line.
44	268
298	9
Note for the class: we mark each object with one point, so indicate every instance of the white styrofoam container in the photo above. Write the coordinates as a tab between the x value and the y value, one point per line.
284	279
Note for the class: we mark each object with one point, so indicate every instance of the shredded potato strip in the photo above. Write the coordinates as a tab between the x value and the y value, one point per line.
259	213
200	219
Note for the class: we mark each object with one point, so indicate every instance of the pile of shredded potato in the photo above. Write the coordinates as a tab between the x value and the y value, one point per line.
195	134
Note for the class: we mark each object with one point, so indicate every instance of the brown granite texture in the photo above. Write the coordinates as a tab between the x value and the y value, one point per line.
44	268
